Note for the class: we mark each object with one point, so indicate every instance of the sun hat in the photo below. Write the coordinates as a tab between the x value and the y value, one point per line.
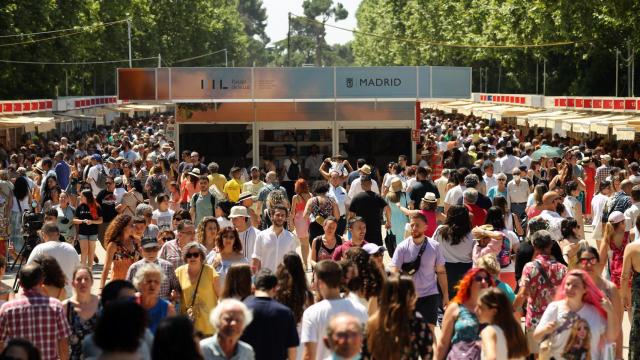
195	172
365	169
430	197
238	211
245	196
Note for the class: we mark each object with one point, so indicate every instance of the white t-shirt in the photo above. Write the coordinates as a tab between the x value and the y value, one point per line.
356	188
93	174
316	318
458	253
502	353
271	248
248	240
163	218
64	253
589	320
454	194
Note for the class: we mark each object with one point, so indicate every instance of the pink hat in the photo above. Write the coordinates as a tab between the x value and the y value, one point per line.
616	217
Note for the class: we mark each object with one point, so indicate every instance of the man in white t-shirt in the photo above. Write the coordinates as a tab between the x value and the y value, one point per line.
316	317
356	186
242	223
94	171
274	242
63	252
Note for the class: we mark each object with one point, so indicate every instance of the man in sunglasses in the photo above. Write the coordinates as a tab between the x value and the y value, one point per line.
169	287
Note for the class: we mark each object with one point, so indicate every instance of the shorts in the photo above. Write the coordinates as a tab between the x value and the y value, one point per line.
427	306
88	237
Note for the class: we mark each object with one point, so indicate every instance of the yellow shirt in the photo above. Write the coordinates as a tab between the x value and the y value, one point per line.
233	188
218	180
206	297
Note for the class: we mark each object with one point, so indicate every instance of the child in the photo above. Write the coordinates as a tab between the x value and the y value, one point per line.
503	338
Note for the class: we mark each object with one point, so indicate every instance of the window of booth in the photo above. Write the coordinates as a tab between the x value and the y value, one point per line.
227	144
278	145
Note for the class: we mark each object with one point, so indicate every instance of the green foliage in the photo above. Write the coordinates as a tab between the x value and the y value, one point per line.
175	29
586	68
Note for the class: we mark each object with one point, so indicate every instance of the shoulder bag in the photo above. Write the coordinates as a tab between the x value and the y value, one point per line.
412	267
190	312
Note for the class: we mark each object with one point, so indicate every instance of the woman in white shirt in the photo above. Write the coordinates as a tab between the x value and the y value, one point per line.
597	207
503	338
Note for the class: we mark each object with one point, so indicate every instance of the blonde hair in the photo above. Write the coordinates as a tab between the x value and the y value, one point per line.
489	262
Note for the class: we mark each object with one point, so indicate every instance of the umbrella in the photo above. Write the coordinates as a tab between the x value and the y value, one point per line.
547	151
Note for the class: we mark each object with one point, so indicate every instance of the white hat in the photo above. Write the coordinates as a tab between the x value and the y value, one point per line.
238	211
431	197
373	249
616	217
606	157
195	172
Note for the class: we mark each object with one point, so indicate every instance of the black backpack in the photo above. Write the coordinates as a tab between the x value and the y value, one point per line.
293	172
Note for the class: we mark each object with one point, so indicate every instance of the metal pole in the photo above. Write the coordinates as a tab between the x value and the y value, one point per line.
289	40
629	68
544	77
480	79
66	83
633	73
499	77
159	60
226	58
617	72
129	34
486	78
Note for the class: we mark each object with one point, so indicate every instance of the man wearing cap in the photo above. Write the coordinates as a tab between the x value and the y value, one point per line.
169	287
355	174
63	252
604	170
233	187
246	200
62	170
356	186
517	193
94	171
241	221
254	186
272	333
370	206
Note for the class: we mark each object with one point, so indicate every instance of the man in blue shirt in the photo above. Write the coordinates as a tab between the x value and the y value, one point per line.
62	169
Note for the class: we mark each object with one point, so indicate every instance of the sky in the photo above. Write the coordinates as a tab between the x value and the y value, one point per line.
277	25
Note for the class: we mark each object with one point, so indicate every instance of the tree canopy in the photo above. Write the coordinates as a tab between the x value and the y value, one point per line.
586	67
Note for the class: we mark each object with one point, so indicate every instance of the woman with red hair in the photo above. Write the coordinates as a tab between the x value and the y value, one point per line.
578	301
460	326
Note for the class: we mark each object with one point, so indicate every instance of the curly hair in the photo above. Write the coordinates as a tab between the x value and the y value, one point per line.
200	232
293	290
53	274
388	328
116	228
369	279
457	225
463	288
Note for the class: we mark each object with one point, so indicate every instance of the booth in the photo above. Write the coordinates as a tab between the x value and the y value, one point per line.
243	115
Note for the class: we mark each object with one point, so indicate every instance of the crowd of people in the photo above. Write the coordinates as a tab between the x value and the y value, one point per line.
485	230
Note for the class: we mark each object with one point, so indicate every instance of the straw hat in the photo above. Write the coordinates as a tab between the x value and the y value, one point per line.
238	211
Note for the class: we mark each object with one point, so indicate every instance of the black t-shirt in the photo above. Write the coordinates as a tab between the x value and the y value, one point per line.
273	329
107	201
369	205
83	213
421	187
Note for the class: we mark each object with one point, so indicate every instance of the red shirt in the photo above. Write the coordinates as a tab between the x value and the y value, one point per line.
37	318
342	249
479	215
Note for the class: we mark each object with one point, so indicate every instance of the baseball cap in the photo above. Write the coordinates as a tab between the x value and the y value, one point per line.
149	242
96	157
373	249
616	217
254	168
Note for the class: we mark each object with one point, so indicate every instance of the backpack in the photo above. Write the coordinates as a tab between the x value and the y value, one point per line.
101	181
504	255
293	172
156	185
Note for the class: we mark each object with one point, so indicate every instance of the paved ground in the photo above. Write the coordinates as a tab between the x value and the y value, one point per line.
97	271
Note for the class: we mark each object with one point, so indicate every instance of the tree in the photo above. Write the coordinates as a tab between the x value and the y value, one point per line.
254	17
312	26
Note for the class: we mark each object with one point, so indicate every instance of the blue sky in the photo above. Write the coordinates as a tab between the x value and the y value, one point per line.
277	11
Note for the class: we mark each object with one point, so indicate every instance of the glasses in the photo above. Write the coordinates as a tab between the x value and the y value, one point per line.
502	179
585	261
192	255
480	278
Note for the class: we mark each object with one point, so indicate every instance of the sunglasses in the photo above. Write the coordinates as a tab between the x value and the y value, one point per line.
480	278
192	255
502	179
585	261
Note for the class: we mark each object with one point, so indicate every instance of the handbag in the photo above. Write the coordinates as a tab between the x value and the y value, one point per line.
190	313
412	267
390	242
467	350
